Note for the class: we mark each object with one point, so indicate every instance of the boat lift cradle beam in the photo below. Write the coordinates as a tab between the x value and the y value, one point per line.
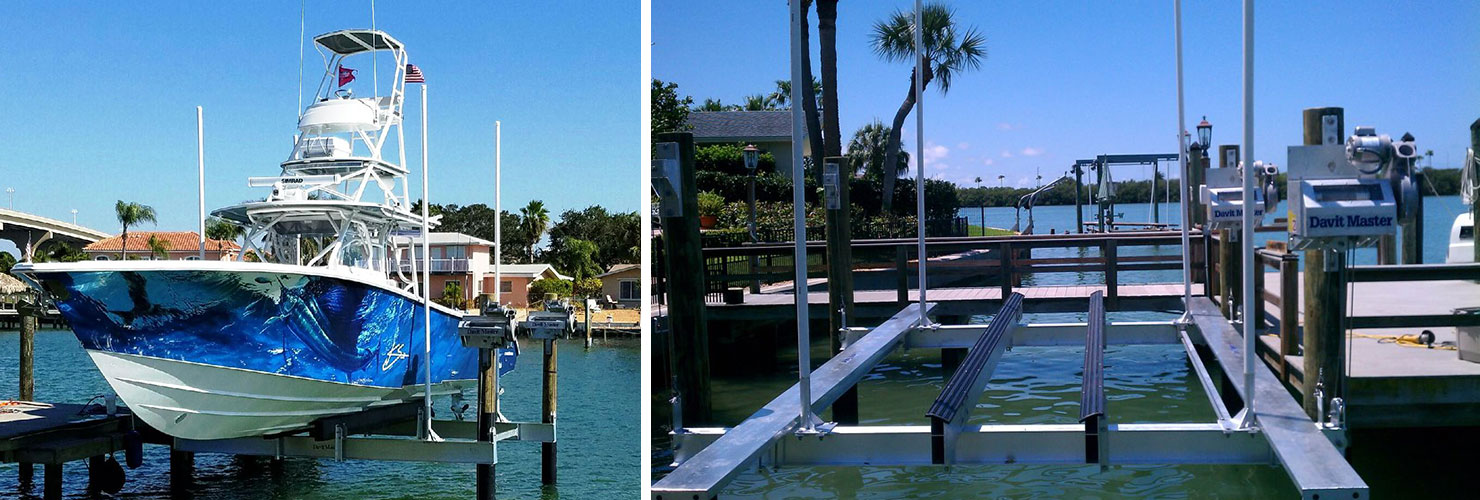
1315	464
712	464
952	408
1092	404
386	433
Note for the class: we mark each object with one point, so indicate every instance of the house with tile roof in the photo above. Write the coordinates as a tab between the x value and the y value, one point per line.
181	245
770	131
466	260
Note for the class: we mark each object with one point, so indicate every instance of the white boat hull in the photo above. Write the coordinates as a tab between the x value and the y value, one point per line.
197	401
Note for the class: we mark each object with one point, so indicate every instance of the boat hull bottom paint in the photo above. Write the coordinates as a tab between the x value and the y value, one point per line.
195	401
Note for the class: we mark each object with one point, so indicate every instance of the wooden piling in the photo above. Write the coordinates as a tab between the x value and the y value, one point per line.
28	315
840	278
1112	274
902	275
486	475
1289	310
52	487
1413	231
1230	273
547	413
1323	305
686	316
182	471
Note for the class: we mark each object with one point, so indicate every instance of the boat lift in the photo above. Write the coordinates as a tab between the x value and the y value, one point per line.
786	431
398	432
1103	193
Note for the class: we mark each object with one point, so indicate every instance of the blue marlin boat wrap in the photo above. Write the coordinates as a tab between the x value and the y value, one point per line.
315	327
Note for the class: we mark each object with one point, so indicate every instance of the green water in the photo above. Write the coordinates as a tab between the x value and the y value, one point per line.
599	451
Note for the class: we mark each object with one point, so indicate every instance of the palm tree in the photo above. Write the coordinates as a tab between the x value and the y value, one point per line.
947	51
782	95
220	230
827	43
131	214
712	105
809	96
535	220
866	152
159	248
1001	181
759	102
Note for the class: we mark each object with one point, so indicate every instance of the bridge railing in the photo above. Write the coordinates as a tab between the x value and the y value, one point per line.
1002	261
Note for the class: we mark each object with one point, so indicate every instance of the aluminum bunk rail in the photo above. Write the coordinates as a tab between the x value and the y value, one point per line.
1092	390
951	410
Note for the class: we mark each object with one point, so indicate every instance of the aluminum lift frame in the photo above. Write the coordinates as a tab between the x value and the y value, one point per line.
707	459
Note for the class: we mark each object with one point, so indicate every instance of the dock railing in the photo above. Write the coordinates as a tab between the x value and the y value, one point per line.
999	260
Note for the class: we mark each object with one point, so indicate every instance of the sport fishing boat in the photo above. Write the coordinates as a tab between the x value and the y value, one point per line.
321	314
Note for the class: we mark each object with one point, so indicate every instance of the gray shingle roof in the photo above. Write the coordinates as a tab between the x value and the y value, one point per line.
775	125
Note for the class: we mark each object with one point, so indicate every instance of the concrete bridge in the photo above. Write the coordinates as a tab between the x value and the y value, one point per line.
30	231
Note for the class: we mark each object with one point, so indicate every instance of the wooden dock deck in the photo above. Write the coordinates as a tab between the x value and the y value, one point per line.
54	434
1393	385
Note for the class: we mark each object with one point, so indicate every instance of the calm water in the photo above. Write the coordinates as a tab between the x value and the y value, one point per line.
1041	385
599	443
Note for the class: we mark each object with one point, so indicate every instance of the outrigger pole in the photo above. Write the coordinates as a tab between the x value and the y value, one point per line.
426	275
498	214
200	164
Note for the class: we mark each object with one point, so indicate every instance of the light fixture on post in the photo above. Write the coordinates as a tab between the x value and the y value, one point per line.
74	216
1205	136
10	191
752	160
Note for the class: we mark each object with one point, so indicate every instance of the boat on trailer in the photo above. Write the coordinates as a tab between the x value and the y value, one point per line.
321	314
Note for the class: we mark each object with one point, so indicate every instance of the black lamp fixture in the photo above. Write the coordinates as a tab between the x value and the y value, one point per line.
1205	133
752	157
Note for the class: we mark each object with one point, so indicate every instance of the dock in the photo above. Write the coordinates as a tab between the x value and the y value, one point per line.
54	434
1392	385
960	301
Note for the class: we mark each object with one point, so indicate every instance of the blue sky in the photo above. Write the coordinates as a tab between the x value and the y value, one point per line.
1069	80
100	100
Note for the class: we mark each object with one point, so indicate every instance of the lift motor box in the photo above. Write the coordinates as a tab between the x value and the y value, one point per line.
1224	197
1332	205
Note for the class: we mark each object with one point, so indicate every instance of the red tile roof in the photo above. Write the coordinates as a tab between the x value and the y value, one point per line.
175	241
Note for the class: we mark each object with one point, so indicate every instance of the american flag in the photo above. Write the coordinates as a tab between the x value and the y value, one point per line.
413	74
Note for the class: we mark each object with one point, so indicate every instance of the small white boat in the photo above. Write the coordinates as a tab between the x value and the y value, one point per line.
1462	239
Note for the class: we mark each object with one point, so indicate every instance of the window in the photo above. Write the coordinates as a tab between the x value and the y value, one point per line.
101	257
193	257
629	291
455	252
505	286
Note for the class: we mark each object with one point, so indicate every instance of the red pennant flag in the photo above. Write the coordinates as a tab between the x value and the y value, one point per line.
346	75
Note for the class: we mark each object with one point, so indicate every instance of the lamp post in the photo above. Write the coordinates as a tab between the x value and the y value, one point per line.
74	216
10	191
1204	136
752	160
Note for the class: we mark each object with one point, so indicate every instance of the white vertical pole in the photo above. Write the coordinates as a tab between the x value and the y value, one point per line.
498	214
1182	160
920	156
799	227
200	165
426	272
1247	231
